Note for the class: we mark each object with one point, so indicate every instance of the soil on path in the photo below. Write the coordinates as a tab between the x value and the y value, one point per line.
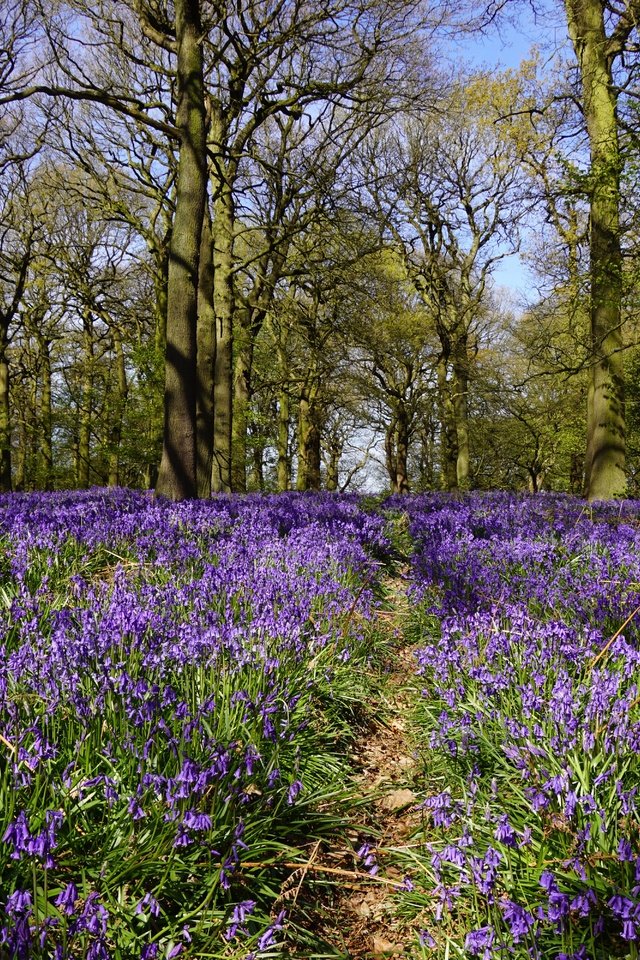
362	921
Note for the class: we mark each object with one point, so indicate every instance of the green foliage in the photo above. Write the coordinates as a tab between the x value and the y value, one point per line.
115	831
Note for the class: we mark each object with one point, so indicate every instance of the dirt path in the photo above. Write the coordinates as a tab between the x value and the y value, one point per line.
363	920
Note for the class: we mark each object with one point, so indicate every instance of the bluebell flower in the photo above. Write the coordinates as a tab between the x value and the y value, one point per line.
67	898
268	938
479	942
625	851
519	920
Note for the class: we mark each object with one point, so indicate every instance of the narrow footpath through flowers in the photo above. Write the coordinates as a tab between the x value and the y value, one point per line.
362	919
319	727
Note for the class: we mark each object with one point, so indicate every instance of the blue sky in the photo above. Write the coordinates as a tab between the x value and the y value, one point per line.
504	47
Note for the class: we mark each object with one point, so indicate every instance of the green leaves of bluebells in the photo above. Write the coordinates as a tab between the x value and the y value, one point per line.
174	686
531	747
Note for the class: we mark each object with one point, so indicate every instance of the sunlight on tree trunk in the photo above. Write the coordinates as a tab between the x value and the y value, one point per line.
120	393
206	350
5	420
223	304
177	476
460	387
605	460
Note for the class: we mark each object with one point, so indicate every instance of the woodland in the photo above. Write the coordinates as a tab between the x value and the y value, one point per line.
255	700
253	246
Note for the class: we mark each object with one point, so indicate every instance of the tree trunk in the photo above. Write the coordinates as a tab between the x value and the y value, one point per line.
256	479
427	448
448	441
402	452
161	277
86	400
19	457
120	394
46	416
243	344
606	447
335	451
5	417
576	474
206	350
390	456
177	476
249	322
460	388
284	460
284	472
308	441
223	299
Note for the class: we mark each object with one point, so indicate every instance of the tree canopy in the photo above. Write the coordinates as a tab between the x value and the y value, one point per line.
258	246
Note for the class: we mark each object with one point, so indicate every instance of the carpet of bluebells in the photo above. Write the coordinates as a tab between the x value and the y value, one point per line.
173	681
178	683
527	624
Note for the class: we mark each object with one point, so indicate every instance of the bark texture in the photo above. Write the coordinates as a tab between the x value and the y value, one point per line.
223	304
206	360
177	475
606	447
86	401
309	457
5	417
120	393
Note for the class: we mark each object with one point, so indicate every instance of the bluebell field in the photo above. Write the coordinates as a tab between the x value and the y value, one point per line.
176	684
530	725
163	670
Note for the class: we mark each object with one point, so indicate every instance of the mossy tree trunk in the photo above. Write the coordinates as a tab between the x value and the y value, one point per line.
606	447
83	460
460	404
223	299
120	393
5	414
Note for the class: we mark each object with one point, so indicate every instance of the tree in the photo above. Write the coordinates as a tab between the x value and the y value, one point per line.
601	34
270	59
528	419
597	51
392	355
79	80
224	71
19	229
177	477
448	197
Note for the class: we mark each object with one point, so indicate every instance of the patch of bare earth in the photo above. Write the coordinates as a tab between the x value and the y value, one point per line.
362	919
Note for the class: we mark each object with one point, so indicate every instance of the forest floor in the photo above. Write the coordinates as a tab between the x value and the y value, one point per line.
360	918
